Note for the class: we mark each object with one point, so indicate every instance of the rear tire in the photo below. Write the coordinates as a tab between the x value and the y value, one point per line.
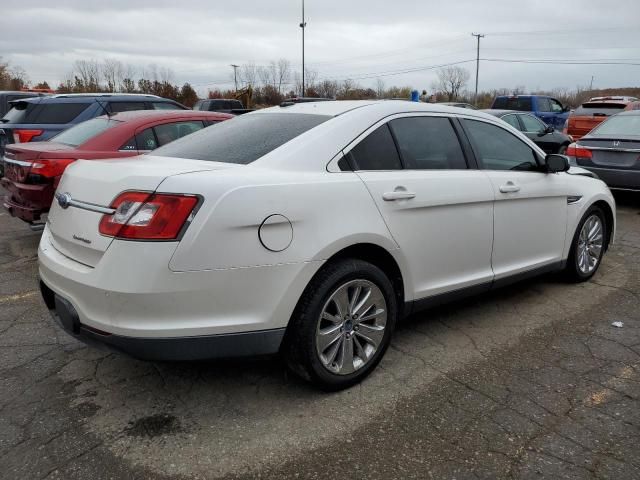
342	324
587	247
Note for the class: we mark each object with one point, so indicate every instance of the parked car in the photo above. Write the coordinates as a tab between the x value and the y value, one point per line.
592	113
545	136
222	105
33	170
632	106
6	97
459	105
310	230
40	118
612	151
548	109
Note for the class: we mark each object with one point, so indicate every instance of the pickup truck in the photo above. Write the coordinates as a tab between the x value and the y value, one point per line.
222	105
548	109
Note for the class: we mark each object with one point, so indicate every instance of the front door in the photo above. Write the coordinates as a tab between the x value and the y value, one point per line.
530	212
439	211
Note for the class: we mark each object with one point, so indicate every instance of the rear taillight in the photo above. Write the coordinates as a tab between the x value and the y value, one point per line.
24	136
565	127
148	216
50	168
575	150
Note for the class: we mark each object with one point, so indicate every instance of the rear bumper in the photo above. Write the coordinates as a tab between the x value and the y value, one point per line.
27	202
255	343
618	179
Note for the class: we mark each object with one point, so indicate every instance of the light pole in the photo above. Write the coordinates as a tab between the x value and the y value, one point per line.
235	75
478	36
303	24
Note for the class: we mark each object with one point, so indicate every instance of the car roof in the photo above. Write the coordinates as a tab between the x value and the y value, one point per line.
627	113
389	107
150	115
498	112
91	97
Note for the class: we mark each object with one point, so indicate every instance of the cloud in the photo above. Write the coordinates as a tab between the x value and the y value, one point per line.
198	39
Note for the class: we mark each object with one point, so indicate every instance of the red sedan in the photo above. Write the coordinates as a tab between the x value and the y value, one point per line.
33	170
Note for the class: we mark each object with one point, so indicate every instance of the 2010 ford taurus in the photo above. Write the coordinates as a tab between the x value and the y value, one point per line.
310	230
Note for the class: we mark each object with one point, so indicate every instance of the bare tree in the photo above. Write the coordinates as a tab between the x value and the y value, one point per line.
87	73
380	88
310	79
283	72
451	80
112	72
327	88
249	74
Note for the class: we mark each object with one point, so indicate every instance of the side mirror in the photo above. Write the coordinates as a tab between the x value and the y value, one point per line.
556	163
566	109
549	129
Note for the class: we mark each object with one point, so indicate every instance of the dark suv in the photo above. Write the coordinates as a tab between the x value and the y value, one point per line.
7	96
40	118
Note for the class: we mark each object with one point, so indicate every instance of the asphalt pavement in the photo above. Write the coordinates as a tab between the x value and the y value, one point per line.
531	381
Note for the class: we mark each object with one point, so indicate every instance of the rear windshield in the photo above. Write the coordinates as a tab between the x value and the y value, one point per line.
618	126
242	139
599	108
47	113
522	104
82	132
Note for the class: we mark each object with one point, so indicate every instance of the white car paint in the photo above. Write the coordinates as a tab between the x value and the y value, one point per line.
458	231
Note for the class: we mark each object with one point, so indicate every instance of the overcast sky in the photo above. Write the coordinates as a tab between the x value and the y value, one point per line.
399	41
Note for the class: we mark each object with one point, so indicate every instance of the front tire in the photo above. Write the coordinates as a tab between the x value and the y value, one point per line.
342	324
588	246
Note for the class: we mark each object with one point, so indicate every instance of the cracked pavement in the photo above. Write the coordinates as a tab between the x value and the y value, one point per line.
531	381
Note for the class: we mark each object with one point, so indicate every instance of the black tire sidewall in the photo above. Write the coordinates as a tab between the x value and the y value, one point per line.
303	351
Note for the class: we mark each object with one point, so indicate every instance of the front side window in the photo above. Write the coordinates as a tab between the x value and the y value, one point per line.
556	106
428	143
83	132
242	139
522	104
497	149
532	124
169	132
376	152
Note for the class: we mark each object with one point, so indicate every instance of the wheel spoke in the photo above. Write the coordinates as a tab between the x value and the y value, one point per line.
354	299
326	337
341	301
333	351
371	334
370	316
347	356
362	302
360	351
331	318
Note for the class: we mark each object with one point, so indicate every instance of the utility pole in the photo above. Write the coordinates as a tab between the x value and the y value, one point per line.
591	84
235	75
303	24
478	36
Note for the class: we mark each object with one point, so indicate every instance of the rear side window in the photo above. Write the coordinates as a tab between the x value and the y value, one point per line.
532	124
82	132
146	140
169	132
48	113
544	105
428	143
512	120
497	149
242	139
116	107
376	152
166	106
522	104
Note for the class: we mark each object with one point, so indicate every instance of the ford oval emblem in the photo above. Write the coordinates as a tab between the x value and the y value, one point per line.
64	199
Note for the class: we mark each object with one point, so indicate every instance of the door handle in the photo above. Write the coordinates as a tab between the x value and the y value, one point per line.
509	187
397	195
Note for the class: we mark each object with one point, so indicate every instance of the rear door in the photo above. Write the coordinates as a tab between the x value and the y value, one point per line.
530	212
439	211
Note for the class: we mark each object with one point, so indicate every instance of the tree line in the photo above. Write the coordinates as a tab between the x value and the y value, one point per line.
275	81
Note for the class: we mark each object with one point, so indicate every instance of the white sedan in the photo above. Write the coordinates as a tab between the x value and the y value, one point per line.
310	230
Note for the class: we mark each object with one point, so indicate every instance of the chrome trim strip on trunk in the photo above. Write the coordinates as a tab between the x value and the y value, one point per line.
610	149
17	162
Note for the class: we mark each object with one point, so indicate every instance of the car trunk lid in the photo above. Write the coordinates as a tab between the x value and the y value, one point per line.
75	230
611	153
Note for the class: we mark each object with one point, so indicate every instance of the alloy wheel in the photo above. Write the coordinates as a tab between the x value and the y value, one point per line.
590	244
351	326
